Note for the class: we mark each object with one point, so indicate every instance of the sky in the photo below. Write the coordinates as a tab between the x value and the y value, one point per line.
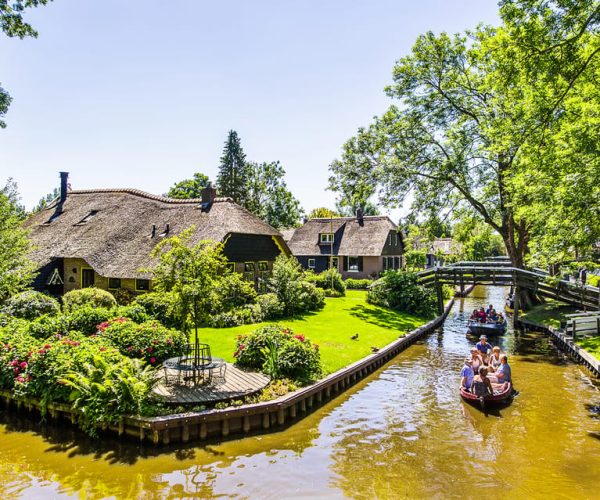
141	94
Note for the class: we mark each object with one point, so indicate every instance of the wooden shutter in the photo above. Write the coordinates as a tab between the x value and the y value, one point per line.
360	264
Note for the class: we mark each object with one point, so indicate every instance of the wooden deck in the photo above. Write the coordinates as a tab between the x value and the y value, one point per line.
234	385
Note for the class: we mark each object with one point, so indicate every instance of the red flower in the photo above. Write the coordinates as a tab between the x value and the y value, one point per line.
149	349
300	337
47	346
24	365
152	360
102	349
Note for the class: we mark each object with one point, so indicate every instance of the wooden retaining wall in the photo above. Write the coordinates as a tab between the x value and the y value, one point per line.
237	421
565	344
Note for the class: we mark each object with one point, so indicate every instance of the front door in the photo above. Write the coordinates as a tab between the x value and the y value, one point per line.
87	278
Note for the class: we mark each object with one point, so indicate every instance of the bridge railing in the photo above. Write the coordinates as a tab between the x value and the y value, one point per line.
583	324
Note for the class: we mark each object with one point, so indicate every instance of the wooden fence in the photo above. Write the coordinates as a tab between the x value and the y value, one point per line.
583	325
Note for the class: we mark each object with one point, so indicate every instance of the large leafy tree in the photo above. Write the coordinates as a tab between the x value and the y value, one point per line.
13	25
189	188
491	121
269	198
234	172
16	270
323	213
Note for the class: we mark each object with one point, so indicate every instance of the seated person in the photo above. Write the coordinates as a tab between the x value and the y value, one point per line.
492	316
501	320
481	316
489	309
467	374
482	386
475	315
503	373
483	348
476	359
494	359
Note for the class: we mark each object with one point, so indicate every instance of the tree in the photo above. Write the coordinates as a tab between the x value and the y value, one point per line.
323	213
46	200
12	24
11	191
189	188
16	270
481	120
477	240
234	172
345	209
190	274
269	198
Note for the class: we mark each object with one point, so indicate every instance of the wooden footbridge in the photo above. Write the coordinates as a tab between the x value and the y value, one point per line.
501	272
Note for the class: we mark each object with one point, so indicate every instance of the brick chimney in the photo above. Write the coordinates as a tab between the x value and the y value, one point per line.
209	194
64	177
360	216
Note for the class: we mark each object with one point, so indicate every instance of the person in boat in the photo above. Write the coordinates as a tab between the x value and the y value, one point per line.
494	359
492	315
503	373
501	319
481	316
475	315
467	374
482	386
483	348
476	359
489	309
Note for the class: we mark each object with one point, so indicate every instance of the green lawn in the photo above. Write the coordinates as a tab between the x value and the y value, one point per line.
550	313
330	328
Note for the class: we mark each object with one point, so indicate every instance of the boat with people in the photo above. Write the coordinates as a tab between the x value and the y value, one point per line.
501	396
486	322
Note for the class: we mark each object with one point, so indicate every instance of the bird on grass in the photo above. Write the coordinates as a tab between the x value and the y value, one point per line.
355	336
374	349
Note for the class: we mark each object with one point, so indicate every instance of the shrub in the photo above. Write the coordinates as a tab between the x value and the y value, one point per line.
234	291
330	279
45	326
85	319
94	297
399	290
134	312
31	304
161	307
355	284
279	352
270	305
124	296
311	298
415	259
245	315
150	340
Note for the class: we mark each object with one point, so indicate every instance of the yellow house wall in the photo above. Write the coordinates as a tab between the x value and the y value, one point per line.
72	278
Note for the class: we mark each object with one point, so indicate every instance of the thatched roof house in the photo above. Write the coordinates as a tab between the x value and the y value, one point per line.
104	236
360	246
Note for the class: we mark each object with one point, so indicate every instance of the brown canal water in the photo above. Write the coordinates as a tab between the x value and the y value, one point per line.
403	432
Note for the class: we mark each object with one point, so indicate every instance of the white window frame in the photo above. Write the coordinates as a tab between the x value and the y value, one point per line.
313	262
326	238
334	262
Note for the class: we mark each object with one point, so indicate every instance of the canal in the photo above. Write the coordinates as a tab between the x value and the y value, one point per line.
403	432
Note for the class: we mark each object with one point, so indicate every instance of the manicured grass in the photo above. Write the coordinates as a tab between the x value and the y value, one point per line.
330	328
550	313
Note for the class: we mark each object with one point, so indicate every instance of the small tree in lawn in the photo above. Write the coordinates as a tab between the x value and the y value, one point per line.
191	274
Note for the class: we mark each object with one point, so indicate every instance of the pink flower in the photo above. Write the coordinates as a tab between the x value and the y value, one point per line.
300	337
24	365
14	362
153	360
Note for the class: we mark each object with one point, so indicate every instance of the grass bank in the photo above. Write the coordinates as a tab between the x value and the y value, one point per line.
331	328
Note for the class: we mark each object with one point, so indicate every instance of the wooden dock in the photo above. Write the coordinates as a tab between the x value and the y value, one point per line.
235	384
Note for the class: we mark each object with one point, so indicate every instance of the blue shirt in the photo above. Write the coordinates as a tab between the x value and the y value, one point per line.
483	349
468	372
505	370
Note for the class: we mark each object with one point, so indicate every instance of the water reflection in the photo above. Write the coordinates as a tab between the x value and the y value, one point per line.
402	432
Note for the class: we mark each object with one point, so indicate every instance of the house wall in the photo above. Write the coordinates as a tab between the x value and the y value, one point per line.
371	266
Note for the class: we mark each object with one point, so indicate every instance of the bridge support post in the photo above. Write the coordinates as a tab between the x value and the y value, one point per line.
516	302
440	296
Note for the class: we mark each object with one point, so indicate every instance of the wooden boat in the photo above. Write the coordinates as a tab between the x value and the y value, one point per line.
499	398
489	329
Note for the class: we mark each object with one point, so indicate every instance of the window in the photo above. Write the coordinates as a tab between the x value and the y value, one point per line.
395	239
263	266
385	263
87	277
87	218
53	217
311	263
249	267
231	266
390	239
333	262
114	283
353	264
142	285
326	238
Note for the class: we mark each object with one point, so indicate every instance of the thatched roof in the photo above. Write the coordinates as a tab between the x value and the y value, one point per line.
117	239
351	237
287	234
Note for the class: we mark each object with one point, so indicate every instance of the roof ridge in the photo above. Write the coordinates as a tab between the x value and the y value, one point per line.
150	196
